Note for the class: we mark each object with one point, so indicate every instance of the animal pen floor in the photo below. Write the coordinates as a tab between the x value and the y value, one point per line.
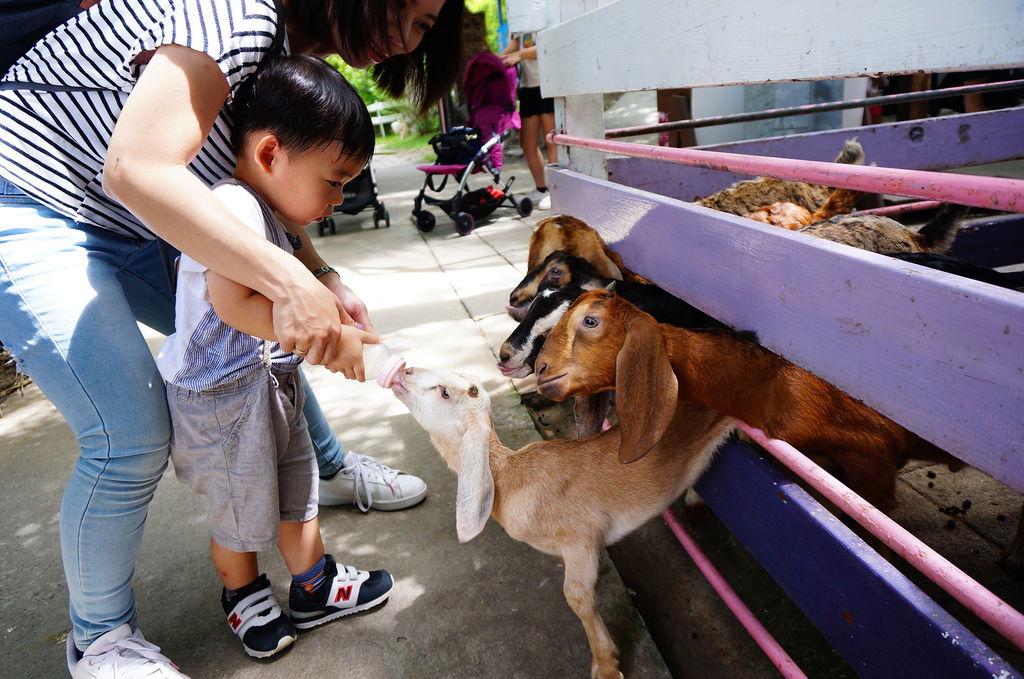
489	608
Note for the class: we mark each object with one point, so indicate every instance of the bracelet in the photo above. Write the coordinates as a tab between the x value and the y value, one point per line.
323	271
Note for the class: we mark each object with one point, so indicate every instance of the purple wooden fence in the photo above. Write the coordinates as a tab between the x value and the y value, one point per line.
940	354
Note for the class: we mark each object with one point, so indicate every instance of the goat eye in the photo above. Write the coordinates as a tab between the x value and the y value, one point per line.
590	322
444	392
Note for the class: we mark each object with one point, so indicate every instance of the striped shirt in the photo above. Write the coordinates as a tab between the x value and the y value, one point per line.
204	351
53	143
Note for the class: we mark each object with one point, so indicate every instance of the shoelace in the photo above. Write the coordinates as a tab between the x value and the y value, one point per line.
127	653
366	470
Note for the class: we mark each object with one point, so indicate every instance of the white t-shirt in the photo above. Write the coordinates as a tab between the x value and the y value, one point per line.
53	144
529	69
204	351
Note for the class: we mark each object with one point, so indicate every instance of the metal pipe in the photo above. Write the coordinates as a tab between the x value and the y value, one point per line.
901	208
807	109
994	193
1000	615
757	631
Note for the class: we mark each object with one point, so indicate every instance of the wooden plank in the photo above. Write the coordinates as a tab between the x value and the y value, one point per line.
879	621
726	42
998	241
940	354
931	144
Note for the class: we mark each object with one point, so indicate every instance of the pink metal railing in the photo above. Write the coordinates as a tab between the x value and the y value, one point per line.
996	193
1000	615
901	208
762	637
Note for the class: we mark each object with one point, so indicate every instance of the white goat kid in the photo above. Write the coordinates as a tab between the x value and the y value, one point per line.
568	498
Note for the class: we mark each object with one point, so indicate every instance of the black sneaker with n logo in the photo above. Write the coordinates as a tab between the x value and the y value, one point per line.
345	591
255	618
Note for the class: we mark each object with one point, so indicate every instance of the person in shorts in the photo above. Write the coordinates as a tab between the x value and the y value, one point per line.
239	436
537	113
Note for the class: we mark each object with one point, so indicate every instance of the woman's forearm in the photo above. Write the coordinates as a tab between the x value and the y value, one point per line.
184	212
162	128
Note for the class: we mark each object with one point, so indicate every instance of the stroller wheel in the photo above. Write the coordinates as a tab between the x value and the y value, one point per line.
525	207
323	225
425	221
464	223
387	218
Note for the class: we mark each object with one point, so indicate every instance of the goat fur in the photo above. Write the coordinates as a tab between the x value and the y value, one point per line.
876	233
593	348
752	194
793	216
567	498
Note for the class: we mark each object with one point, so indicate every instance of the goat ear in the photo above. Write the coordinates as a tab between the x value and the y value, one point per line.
591	411
474	498
646	389
606	267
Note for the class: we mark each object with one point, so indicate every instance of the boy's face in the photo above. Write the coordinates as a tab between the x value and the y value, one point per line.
305	187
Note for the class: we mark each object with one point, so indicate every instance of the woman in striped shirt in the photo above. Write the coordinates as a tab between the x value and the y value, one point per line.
112	129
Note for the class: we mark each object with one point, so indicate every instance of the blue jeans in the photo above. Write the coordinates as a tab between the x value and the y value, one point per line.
70	299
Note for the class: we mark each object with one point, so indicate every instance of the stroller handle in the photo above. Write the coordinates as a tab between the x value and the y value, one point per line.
490	143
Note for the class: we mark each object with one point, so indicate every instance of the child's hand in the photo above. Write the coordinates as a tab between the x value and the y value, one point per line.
350	307
349	360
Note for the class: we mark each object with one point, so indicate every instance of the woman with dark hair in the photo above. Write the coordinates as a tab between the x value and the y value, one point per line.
113	128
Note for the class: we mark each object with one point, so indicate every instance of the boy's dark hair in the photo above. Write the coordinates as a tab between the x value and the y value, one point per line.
306	103
423	76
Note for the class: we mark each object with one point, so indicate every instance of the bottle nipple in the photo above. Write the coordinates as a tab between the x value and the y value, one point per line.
380	364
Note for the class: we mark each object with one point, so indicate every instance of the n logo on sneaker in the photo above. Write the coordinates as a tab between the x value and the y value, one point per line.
343	594
234	620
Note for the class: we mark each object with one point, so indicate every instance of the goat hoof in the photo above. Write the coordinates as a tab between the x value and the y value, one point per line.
605	672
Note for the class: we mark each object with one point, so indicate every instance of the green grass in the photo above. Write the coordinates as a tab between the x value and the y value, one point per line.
393	143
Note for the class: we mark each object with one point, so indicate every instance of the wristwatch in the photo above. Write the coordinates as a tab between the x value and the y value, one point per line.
317	273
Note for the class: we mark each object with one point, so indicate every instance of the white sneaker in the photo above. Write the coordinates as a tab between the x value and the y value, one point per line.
379	486
541	199
545	201
121	654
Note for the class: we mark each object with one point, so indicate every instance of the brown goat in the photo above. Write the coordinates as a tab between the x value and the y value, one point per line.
567	498
576	237
603	342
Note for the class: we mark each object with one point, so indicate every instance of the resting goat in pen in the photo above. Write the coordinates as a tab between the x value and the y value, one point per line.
876	233
603	342
753	194
567	498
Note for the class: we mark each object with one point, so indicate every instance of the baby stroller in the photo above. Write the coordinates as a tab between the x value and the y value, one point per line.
490	90
359	193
